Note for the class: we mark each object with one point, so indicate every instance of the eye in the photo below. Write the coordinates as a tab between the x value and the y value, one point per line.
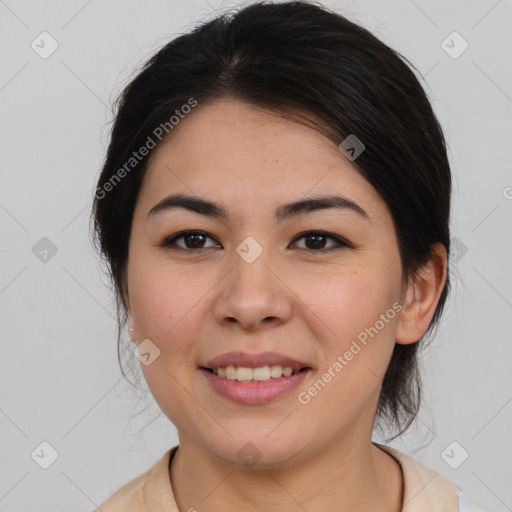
195	240
315	241
192	240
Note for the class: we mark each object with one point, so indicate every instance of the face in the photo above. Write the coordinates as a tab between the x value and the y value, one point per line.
321	286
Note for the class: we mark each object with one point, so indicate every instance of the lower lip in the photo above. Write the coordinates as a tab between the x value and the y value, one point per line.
254	393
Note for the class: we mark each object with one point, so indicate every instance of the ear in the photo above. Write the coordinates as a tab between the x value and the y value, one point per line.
421	297
130	321
131	325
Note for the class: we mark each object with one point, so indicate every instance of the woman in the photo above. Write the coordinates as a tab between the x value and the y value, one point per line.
274	210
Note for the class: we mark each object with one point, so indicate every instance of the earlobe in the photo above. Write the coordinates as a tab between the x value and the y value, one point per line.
130	321
421	297
131	326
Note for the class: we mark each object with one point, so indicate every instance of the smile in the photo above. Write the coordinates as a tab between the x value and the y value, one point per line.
254	386
261	373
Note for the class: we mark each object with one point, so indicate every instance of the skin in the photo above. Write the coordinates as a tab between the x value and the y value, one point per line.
307	303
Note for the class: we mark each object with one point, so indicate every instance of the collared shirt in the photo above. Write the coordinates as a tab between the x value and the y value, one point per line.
424	490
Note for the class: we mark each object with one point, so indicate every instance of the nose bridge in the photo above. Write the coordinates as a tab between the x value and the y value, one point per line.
251	292
251	268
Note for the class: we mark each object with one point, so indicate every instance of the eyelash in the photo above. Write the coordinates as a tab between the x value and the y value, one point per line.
169	241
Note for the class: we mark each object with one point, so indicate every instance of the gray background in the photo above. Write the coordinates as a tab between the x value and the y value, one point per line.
60	378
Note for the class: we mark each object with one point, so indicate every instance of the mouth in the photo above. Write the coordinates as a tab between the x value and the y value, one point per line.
258	374
254	386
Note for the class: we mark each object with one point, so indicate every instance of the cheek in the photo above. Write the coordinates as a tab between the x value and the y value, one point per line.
165	301
358	326
168	307
349	300
356	345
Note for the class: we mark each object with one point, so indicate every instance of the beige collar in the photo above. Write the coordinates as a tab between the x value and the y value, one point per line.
424	489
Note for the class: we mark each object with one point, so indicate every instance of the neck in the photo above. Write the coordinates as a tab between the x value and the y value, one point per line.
343	476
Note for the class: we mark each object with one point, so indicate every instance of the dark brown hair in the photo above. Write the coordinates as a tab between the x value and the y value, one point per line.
295	58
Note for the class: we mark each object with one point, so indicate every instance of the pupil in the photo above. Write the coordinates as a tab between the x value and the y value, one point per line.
196	236
316	244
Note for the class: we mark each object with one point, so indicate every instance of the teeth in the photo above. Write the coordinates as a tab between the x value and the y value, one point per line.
261	373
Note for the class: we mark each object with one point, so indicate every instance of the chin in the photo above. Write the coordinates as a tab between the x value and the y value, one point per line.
256	452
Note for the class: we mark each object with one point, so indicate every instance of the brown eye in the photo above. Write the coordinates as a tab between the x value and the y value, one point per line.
316	241
191	240
194	241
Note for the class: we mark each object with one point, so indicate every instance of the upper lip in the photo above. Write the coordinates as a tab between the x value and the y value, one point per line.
255	360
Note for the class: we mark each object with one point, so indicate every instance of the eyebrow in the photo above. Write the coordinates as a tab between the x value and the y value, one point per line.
283	212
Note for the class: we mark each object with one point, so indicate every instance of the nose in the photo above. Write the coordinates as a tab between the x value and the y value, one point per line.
253	296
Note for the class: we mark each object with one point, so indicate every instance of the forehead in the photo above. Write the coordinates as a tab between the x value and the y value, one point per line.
245	158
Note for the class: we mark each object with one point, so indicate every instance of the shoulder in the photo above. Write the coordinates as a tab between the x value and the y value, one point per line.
425	489
140	494
127	497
